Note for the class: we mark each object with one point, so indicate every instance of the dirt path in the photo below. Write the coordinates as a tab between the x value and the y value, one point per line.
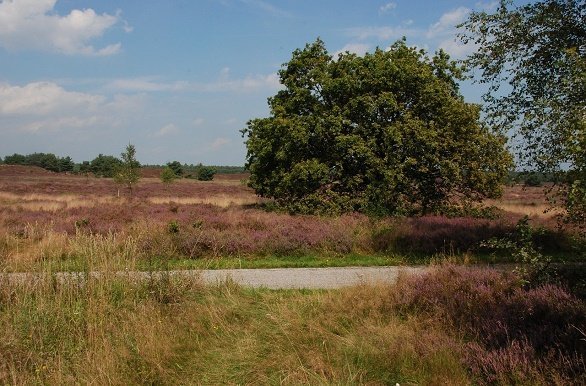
275	278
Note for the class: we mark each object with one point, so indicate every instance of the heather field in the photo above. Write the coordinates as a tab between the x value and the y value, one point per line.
457	324
53	219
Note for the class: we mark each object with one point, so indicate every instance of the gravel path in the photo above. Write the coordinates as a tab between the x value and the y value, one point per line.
311	278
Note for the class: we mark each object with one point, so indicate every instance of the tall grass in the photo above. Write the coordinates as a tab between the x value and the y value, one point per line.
423	331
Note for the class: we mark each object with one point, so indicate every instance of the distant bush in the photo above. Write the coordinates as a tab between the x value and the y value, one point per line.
105	165
205	173
176	167
534	179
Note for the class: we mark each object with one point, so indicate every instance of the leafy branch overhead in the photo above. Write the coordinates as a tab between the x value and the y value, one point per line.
533	58
386	133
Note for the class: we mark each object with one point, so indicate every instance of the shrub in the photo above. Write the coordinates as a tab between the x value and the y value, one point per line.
491	308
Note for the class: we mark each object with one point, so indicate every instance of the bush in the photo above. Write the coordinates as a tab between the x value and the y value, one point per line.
205	173
539	325
430	235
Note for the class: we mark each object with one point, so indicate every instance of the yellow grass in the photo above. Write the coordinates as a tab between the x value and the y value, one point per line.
53	203
541	210
221	200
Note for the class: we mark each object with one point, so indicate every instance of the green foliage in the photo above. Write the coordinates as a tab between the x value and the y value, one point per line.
533	57
387	133
168	175
533	179
535	267
104	165
205	173
128	172
173	227
46	161
176	167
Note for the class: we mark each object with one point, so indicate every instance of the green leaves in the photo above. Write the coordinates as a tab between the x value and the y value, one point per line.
128	172
534	59
386	133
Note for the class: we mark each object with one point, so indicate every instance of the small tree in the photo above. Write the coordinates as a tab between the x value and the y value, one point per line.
168	176
128	173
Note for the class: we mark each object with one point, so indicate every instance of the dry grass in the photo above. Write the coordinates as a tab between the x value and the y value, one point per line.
178	332
220	200
530	201
54	202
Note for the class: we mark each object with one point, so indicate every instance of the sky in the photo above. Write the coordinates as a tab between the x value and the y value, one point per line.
179	79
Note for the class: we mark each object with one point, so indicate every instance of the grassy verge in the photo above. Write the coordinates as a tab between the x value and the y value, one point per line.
422	331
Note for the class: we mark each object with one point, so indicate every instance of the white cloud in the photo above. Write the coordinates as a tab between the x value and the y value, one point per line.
34	24
41	98
354	48
448	22
166	130
445	31
46	106
219	143
456	49
387	7
198	122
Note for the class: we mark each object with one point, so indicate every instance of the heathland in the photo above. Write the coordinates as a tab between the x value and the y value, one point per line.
454	325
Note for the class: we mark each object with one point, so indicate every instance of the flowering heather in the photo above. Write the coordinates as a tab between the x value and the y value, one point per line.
513	327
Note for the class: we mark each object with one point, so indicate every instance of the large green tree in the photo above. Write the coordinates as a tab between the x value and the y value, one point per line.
533	58
386	133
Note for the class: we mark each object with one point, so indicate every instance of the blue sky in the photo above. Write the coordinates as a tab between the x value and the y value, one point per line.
179	78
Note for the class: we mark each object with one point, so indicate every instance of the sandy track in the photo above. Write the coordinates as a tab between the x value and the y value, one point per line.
275	278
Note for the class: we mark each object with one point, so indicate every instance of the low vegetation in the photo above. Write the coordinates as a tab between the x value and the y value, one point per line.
452	326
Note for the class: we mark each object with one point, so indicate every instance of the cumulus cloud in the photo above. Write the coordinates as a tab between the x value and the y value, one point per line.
34	24
440	34
41	98
448	21
46	106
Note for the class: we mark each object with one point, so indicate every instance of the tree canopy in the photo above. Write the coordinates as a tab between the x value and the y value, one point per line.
104	165
533	57
386	133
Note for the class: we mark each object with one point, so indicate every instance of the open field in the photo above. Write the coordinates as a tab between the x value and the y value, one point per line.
76	222
449	326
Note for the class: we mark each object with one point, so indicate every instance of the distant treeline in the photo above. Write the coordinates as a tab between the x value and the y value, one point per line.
46	161
532	178
106	165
